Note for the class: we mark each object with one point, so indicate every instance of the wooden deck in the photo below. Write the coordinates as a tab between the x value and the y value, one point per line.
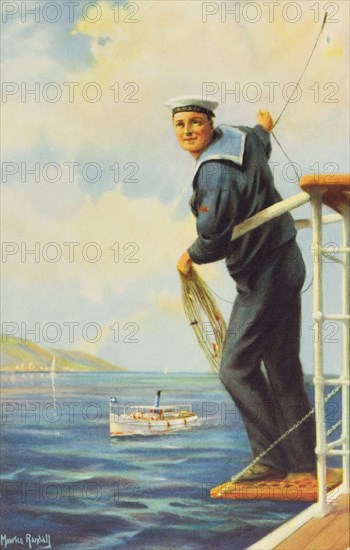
330	532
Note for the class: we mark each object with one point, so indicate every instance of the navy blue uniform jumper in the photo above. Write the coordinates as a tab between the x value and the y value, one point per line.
260	365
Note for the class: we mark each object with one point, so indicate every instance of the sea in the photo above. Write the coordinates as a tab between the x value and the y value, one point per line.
67	485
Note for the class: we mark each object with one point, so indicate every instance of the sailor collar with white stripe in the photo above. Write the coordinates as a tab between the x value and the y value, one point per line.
228	145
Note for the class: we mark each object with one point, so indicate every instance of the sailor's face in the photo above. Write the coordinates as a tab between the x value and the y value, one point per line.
194	131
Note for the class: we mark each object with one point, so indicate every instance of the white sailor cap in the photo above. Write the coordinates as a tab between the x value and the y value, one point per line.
192	103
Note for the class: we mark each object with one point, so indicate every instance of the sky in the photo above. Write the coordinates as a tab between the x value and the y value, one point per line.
95	189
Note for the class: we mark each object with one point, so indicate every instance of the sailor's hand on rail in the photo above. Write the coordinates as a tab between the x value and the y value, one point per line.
184	264
265	120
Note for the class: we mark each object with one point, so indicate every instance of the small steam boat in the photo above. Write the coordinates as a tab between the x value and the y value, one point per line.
145	420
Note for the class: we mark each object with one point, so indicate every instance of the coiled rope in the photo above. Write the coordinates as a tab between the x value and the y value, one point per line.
204	316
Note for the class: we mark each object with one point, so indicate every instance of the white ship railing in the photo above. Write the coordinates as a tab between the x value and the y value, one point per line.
334	192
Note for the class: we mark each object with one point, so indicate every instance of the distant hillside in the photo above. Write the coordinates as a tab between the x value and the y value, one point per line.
18	356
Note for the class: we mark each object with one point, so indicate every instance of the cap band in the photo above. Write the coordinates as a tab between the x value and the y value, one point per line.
193	108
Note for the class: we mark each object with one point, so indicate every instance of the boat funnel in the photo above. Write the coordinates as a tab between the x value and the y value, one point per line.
157	399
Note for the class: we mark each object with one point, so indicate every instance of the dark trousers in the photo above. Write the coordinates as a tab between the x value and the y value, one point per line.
260	366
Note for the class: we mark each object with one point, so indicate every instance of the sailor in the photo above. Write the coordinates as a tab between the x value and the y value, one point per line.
260	365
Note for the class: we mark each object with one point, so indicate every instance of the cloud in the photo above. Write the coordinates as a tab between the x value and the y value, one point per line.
169	303
114	240
169	50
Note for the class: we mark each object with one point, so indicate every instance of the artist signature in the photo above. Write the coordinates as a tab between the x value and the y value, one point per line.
33	542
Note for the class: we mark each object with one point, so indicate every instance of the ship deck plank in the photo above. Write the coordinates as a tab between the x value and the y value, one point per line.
330	532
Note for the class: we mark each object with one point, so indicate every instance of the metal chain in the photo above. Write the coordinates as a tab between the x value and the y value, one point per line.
281	438
333	428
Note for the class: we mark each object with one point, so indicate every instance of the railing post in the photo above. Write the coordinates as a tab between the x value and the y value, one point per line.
334	192
318	317
346	350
